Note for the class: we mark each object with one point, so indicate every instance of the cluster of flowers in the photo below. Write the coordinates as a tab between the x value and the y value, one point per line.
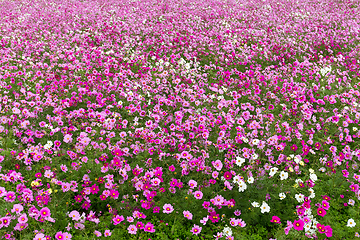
79	121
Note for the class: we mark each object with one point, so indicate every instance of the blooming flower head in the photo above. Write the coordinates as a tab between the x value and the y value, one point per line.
275	219
198	194
192	184
321	212
264	207
217	165
298	225
132	229
351	223
118	219
17	208
67	235
227	175
10	196
168	208
45	212
227	231
214	217
149	227
97	233
59	236
196	229
22	218
107	233
328	231
325	205
75	215
188	215
39	236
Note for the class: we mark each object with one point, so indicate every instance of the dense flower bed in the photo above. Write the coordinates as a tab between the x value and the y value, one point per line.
179	119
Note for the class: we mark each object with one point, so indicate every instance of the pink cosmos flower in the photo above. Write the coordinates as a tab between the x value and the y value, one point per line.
22	218
68	138
107	233
198	194
75	215
97	233
67	235
139	225
325	205
196	230
156	209
188	215
217	165
17	208
2	191
39	236
172	168
233	222
192	184
288	228
132	229
94	189
168	208
237	212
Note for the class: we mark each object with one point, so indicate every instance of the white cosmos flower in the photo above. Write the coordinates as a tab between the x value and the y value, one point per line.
313	177
236	179
351	223
250	180
227	231
299	197
312	193
255	204
273	171
255	141
264	207
242	186
282	196
239	161
283	175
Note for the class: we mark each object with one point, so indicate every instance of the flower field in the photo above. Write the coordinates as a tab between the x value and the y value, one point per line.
179	119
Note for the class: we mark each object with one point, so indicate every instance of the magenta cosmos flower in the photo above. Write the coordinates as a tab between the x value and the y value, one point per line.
149	227
275	219
325	204
10	196
118	219
328	231
298	225
59	236
196	229
227	175
45	212
321	212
